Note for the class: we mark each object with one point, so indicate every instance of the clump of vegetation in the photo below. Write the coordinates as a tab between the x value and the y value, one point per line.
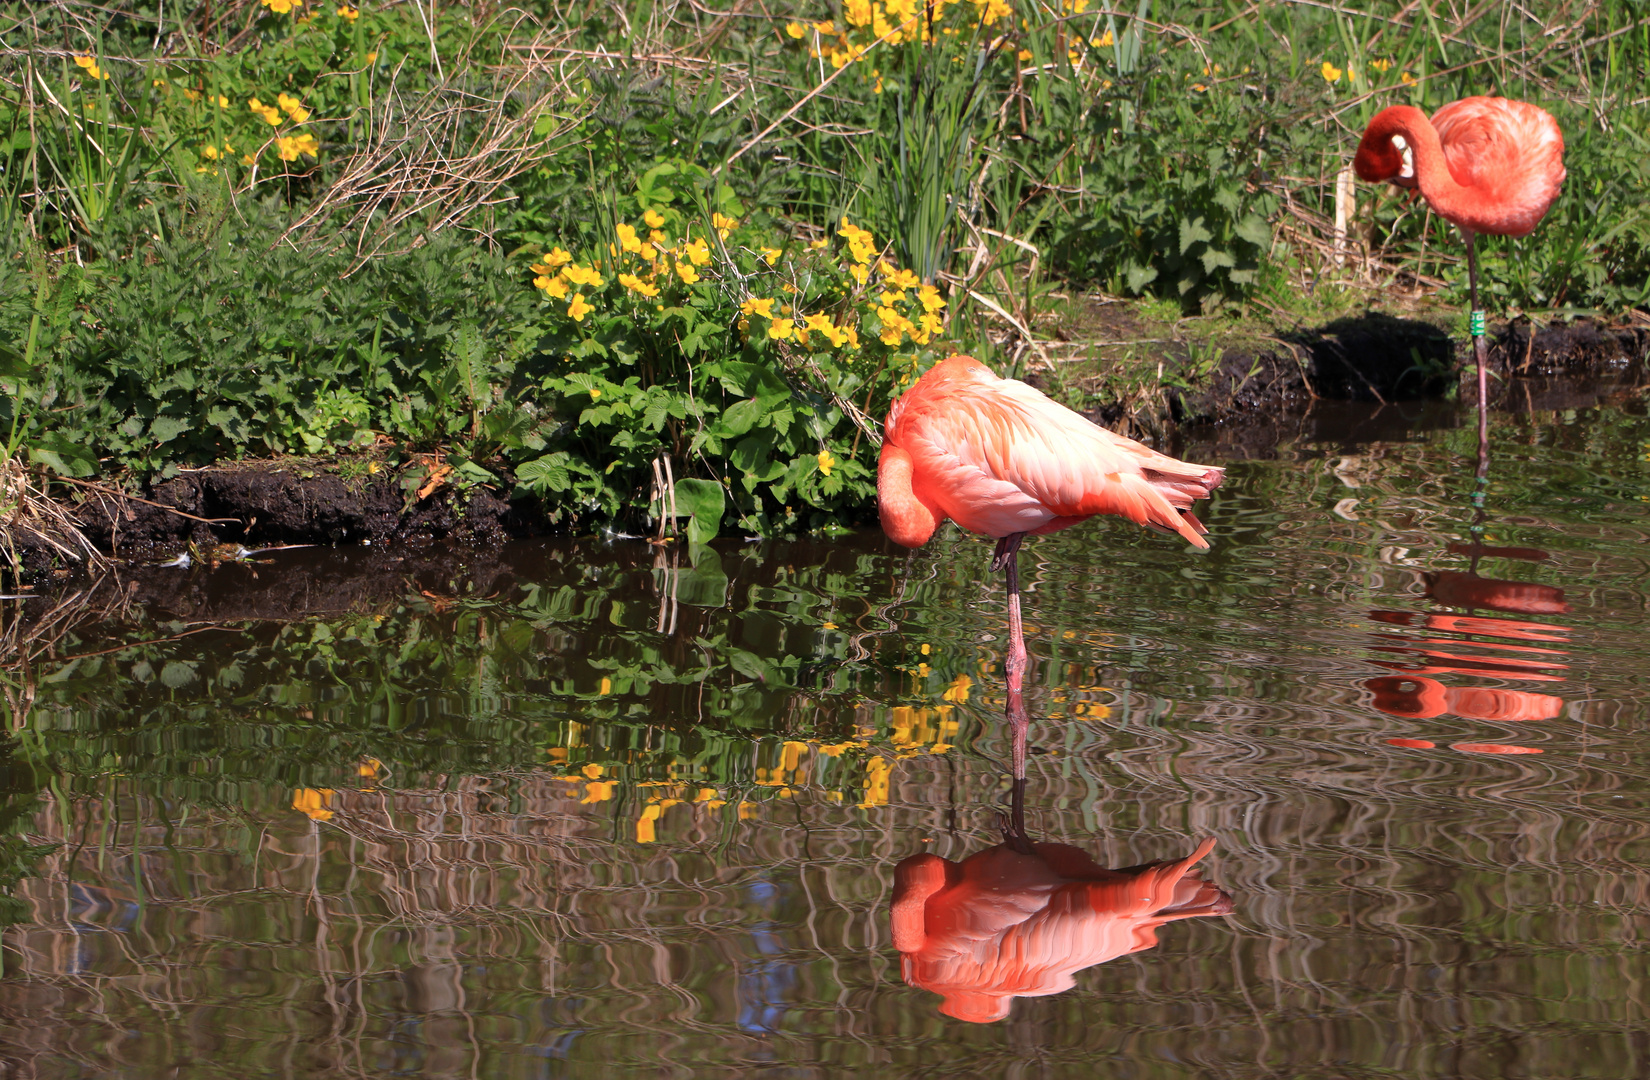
604	265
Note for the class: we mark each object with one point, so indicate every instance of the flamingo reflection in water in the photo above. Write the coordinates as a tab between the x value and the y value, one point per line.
1003	924
1521	649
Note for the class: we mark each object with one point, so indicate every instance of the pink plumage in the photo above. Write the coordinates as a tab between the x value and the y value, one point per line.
998	457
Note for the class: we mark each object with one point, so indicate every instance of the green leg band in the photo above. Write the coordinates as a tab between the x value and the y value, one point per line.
1477	324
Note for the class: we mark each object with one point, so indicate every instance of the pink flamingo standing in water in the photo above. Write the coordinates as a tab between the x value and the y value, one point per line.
998	457
1487	165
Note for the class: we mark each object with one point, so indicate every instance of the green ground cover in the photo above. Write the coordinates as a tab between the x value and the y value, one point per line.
567	246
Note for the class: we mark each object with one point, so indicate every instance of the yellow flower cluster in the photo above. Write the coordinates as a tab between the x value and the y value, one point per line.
288	147
282	7
88	64
643	263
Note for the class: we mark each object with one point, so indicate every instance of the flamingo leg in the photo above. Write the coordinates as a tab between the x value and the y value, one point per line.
1006	559
1480	352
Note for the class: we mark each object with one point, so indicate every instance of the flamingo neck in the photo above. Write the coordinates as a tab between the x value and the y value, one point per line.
1447	197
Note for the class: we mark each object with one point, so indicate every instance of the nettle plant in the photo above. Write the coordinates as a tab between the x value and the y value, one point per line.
756	368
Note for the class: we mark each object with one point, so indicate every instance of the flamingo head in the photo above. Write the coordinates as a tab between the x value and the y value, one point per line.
1385	153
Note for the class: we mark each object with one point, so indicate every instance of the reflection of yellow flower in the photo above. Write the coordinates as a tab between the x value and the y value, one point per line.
315	802
1331	73
826	462
578	309
958	690
598	791
876	782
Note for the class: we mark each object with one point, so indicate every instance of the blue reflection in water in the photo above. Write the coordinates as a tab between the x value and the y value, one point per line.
765	986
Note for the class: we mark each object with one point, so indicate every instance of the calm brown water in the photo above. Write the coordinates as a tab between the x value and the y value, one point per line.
582	810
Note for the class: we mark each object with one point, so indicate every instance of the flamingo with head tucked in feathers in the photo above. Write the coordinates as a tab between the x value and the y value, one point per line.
1485	164
998	457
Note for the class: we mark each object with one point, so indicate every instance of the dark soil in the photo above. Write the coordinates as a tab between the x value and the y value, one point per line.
267	506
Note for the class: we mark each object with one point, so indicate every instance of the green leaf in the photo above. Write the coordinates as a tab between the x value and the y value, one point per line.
64	455
548	473
704	503
1256	231
1192	231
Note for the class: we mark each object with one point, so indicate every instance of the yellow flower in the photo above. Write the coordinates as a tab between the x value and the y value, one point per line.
826	462
636	284
1380	65
1408	79
754	306
903	279
271	115
826	28
223	102
314	801
347	12
781	329
654	219
769	255
294	108
557	257
281	7
595	395
628	238
554	287
288	147
722	224
794	30
209	152
1106	40
372	57
860	272
687	273
89	64
1023	55
930	298
584	275
1331	73
698	252
577	310
1200	88
192	95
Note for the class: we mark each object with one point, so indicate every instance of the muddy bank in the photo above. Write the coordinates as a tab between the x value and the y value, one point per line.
1355	380
266	505
1375	376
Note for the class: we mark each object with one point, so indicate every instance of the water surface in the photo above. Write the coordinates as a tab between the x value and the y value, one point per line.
592	808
